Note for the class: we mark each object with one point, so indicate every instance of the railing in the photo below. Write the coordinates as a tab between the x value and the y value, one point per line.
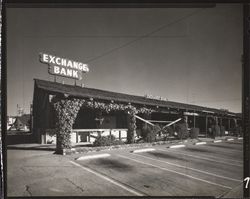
90	133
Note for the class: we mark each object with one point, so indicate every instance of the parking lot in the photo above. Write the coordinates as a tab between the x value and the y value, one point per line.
212	169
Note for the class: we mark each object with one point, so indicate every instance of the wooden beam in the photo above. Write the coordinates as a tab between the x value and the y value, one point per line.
172	123
159	121
146	121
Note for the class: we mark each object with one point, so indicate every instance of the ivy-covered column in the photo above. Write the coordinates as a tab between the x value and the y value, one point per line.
131	127
66	112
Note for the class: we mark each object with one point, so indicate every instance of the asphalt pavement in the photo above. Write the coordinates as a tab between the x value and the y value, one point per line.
211	169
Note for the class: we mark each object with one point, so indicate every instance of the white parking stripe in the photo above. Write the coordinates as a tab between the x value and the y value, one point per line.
108	179
207	158
183	174
193	169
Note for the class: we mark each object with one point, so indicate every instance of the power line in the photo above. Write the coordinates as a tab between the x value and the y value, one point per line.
144	36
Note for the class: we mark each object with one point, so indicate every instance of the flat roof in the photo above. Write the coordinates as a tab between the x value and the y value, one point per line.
84	92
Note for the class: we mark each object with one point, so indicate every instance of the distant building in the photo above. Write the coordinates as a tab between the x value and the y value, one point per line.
20	123
10	122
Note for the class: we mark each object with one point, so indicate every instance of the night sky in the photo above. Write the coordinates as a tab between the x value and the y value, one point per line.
190	55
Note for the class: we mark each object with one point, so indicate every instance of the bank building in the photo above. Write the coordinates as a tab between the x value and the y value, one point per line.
79	114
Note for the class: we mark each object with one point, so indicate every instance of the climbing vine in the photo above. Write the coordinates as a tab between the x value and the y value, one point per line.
66	112
107	107
131	128
68	108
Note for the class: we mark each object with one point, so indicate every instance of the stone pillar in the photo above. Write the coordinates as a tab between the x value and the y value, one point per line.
66	112
131	128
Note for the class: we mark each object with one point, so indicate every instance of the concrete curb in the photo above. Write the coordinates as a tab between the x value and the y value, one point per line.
177	146
143	150
216	141
200	143
104	155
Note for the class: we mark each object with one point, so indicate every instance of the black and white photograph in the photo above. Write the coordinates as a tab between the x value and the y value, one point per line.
124	101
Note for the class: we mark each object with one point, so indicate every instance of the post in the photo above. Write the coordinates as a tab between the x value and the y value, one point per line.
235	123
194	121
206	125
216	120
89	137
221	127
119	135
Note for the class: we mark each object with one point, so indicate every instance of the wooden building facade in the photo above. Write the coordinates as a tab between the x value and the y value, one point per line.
95	111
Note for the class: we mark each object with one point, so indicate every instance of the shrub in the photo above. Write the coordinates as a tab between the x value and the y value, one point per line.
215	130
181	130
222	131
194	132
138	133
149	133
169	131
146	129
155	130
107	141
237	131
117	142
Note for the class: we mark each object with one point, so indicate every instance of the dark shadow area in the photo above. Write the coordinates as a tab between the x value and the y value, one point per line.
30	148
113	164
226	147
164	155
198	150
237	143
20	139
